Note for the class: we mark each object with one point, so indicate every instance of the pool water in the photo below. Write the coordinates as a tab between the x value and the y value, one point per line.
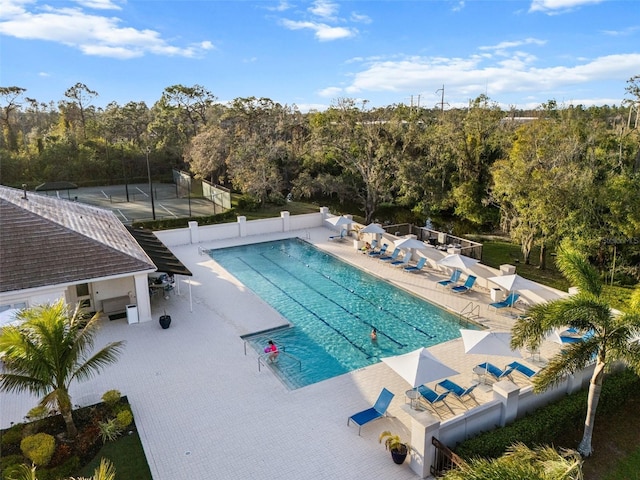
332	307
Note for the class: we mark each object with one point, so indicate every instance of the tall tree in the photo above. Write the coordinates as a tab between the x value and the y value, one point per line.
48	351
609	337
80	97
364	145
10	103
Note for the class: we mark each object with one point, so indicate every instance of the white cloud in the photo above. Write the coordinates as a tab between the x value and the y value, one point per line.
514	44
281	7
330	92
360	18
324	9
98	4
468	77
459	6
622	33
557	6
91	34
323	32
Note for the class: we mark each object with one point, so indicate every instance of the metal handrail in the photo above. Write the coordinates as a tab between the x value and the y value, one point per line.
470	314
263	356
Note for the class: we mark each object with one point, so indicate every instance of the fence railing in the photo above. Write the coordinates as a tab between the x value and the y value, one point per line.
443	458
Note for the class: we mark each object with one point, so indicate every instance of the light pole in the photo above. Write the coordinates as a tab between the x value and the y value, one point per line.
153	207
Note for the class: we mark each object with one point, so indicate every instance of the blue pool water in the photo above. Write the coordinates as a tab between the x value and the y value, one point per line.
333	308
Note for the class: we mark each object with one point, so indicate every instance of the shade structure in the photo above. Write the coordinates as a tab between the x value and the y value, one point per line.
459	262
373	228
419	367
412	243
339	221
483	342
514	282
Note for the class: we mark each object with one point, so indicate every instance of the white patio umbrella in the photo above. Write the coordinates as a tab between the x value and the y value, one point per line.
412	243
374	228
514	282
339	221
419	367
485	342
459	262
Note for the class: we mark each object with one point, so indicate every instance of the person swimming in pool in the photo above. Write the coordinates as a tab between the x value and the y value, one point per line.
374	335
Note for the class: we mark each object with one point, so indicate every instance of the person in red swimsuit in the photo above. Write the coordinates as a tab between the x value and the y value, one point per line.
272	350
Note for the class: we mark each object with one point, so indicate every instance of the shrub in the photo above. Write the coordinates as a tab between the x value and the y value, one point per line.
38	448
248	203
111	397
7	461
65	470
109	430
545	424
12	436
124	419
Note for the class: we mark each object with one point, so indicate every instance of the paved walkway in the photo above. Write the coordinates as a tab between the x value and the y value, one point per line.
204	411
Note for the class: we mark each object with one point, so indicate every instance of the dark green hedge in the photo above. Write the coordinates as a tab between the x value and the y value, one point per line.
170	223
543	426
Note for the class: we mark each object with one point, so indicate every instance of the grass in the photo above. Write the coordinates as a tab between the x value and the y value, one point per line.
127	456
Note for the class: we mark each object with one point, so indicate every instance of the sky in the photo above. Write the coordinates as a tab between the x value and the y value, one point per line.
310	54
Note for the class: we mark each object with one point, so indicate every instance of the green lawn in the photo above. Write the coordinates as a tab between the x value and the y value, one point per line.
127	455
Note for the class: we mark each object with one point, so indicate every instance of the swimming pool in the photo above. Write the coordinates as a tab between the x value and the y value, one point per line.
332	307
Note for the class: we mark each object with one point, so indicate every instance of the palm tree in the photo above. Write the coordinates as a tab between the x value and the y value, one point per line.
612	335
520	462
49	350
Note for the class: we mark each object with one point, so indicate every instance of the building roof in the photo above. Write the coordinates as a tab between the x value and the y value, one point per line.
161	256
48	241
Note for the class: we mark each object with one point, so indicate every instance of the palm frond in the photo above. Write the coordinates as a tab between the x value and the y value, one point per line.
104	357
577	269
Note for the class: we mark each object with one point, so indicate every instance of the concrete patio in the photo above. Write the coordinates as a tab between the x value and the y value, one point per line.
205	411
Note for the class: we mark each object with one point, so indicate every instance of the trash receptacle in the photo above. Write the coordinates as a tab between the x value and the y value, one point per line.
132	313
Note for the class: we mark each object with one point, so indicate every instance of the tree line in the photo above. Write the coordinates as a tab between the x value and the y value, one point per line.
540	175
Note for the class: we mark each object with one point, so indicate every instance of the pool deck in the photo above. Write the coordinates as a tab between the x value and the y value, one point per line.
204	410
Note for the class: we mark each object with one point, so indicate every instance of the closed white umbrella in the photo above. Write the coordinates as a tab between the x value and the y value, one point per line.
419	367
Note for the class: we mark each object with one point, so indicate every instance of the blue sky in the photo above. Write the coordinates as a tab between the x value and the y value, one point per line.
310	53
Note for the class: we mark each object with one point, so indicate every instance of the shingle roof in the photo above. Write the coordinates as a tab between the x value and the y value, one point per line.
49	241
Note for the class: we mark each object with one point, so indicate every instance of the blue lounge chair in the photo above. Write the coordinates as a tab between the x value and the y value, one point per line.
417	267
487	368
378	410
460	393
455	276
432	398
342	236
380	252
510	301
471	280
392	257
523	369
402	263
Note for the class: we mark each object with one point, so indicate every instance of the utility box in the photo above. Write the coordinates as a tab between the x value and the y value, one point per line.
507	269
132	314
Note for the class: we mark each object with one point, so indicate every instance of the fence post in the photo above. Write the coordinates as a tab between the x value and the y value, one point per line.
193	230
242	224
423	427
508	393
286	221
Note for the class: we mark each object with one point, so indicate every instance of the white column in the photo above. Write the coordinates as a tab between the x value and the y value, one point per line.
286	221
508	393
423	427
193	230
242	224
142	297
